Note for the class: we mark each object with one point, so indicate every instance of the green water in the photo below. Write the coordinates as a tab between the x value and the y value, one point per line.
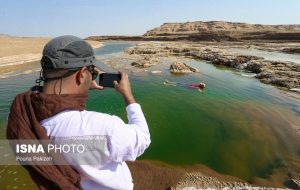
239	126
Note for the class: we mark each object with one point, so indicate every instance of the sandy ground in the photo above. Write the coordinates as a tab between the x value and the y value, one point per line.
16	52
150	174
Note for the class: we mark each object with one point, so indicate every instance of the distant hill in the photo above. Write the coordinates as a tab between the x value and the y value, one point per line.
219	30
214	31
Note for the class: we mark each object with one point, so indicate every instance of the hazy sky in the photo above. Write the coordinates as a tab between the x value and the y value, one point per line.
133	17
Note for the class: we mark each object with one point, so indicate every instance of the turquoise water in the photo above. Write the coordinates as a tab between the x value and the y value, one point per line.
239	126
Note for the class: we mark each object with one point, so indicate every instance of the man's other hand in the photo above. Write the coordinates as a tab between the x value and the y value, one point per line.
94	84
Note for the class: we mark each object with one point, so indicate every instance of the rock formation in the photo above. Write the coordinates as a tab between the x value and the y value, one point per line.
291	50
278	73
145	62
181	68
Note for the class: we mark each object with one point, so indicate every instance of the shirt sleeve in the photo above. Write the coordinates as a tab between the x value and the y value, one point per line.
128	141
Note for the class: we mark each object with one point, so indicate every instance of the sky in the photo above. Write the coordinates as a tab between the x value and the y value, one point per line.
84	18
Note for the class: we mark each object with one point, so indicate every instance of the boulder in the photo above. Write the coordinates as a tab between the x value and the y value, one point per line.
181	68
255	66
145	62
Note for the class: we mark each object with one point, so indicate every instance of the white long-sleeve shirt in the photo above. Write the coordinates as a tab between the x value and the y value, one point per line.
123	142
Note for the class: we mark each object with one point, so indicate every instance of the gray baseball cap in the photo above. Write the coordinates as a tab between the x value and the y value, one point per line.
66	52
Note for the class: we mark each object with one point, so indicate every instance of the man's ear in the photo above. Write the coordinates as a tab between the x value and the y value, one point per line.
80	76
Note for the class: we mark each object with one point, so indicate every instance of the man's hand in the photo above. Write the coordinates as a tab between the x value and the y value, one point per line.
94	84
124	88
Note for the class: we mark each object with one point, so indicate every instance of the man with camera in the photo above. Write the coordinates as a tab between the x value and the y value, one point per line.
57	109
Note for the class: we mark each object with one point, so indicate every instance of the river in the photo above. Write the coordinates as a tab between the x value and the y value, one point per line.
239	126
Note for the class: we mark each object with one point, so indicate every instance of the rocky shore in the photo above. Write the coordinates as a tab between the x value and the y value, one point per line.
285	75
148	174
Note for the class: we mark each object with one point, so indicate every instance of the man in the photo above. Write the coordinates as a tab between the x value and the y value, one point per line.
58	110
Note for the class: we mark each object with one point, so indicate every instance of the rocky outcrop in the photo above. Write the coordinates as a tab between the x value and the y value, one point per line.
291	50
181	68
145	62
292	183
222	58
281	74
